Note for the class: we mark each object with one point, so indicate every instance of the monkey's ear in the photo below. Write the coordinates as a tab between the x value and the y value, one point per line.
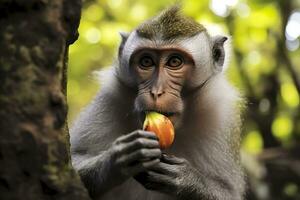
124	37
218	52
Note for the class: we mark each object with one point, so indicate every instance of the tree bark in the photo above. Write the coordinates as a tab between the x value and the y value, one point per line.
34	158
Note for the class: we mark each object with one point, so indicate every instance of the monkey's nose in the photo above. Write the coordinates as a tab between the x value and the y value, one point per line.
155	94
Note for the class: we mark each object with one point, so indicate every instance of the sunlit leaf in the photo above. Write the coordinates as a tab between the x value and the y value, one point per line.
253	142
282	127
92	35
93	13
258	35
138	12
291	189
289	94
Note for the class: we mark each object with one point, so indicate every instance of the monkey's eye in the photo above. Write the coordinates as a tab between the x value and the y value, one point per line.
146	62
175	61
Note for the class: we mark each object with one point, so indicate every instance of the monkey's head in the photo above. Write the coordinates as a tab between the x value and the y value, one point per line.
167	58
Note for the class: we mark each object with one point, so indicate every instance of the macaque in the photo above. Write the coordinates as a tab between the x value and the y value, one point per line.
169	65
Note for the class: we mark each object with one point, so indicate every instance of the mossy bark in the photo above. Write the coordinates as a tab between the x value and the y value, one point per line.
34	158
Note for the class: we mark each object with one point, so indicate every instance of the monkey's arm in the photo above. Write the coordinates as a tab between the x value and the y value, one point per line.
175	176
128	155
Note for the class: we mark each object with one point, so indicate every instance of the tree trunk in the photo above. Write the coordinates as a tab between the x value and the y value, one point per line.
34	158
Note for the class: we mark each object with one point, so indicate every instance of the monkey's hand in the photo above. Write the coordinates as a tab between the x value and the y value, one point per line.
131	154
134	153
127	156
176	177
171	175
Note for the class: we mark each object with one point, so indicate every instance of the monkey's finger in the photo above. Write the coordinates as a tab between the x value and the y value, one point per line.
137	134
172	160
142	166
158	182
138	155
163	168
140	144
157	177
161	187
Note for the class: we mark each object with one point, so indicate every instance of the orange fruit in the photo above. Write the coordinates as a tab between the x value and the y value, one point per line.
161	126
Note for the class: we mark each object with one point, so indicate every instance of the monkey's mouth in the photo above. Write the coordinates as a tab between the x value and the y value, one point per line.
173	116
167	114
170	115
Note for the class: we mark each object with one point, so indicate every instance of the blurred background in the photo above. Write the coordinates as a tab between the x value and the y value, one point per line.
265	67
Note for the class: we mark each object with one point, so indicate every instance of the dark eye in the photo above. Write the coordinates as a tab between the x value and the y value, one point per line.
175	61
146	62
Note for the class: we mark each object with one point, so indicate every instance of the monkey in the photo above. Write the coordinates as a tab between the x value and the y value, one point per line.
169	64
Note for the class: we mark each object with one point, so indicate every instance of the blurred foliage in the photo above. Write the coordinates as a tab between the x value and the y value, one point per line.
262	67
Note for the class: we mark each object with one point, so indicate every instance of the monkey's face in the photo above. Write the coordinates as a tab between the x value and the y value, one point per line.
170	56
161	75
166	72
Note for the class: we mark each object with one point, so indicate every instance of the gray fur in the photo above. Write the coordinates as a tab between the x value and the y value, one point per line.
205	143
206	148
